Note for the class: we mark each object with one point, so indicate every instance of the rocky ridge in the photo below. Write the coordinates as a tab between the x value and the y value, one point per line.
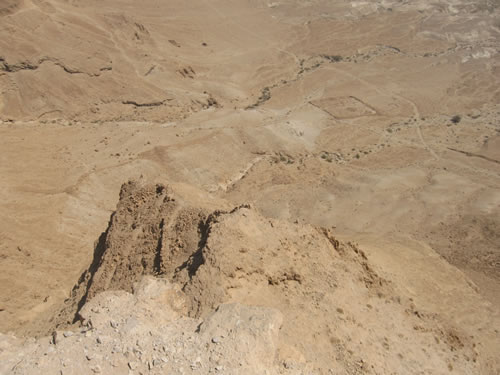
234	292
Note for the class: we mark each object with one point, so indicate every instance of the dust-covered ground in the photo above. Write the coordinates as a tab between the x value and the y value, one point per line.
379	121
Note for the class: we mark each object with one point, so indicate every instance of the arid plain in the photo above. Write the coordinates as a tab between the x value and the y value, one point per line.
372	123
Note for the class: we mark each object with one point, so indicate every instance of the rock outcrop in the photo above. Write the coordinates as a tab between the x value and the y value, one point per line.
319	305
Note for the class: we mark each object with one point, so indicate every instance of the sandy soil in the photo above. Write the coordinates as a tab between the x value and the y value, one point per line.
380	120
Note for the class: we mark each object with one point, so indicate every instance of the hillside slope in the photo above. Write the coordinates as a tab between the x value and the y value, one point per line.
323	307
377	120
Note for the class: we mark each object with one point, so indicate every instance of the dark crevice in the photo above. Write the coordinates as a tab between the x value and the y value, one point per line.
27	65
150	70
99	251
158	261
12	68
150	104
471	154
197	259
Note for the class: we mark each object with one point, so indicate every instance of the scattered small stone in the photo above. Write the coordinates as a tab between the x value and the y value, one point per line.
88	323
54	337
96	369
156	362
68	334
216	339
113	324
133	365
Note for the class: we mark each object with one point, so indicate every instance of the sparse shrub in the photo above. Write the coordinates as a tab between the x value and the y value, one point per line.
333	58
456	119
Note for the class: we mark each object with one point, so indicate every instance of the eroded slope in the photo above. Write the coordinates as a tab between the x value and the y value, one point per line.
339	314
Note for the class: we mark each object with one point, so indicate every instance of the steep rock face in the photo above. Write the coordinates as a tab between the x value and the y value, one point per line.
338	313
150	233
131	246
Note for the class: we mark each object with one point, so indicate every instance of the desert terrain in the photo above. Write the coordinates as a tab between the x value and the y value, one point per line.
327	171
